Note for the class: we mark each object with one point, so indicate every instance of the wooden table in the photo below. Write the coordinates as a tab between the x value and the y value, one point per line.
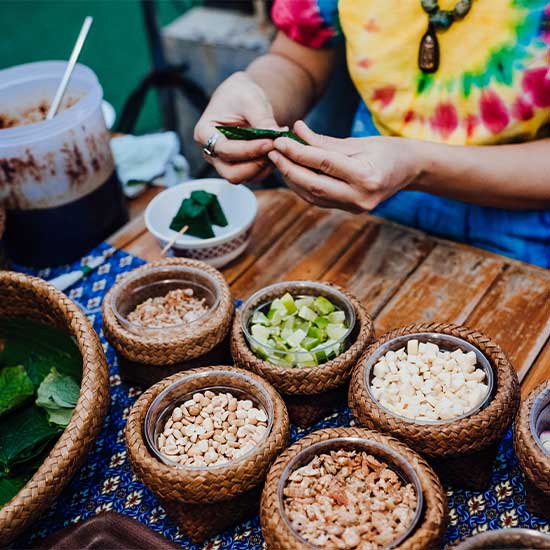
401	275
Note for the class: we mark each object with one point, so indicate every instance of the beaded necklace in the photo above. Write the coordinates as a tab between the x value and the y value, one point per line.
438	19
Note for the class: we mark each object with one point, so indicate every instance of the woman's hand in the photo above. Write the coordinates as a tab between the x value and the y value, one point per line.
353	174
238	101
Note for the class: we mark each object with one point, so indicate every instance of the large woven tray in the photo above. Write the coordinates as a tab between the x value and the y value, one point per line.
32	298
428	534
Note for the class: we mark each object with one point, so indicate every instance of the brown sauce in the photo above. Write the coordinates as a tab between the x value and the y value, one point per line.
34	113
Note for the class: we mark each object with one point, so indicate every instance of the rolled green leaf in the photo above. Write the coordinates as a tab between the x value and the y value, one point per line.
248	134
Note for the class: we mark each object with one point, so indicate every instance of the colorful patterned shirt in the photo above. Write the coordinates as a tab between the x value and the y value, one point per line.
492	87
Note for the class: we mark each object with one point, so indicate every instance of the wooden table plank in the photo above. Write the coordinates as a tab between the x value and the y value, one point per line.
446	287
277	210
378	262
516	313
538	373
305	251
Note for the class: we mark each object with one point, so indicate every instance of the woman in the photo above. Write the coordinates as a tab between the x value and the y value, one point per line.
436	81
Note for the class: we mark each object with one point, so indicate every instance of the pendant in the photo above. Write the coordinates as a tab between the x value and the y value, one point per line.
428	53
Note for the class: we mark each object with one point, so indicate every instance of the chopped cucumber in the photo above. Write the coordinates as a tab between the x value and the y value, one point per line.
261	333
259	318
301	331
307	314
335	332
323	306
288	301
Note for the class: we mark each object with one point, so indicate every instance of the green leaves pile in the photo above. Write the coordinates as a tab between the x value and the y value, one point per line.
40	376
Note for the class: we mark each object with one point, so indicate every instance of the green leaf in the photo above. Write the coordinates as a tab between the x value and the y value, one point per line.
195	216
239	132
10	486
61	417
58	395
23	435
15	388
38	347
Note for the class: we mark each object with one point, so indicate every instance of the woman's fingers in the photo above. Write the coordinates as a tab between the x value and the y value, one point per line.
232	150
239	172
331	163
349	146
316	188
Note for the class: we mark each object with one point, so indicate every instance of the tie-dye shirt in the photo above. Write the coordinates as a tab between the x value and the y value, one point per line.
492	86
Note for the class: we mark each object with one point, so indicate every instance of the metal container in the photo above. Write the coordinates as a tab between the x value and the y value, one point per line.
57	177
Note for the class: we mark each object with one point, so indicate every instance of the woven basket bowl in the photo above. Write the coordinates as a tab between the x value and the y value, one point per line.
32	298
209	498
306	381
156	348
430	528
458	437
534	463
501	539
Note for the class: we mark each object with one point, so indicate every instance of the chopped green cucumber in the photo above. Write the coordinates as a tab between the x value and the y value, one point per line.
302	331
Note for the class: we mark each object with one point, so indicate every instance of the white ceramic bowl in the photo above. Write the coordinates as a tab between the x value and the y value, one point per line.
239	206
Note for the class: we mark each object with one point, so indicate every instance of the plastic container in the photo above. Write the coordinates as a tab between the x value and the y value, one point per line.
261	300
57	177
445	342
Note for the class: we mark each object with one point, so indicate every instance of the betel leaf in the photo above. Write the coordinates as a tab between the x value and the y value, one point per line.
23	436
248	134
15	388
213	207
10	486
58	394
196	218
25	342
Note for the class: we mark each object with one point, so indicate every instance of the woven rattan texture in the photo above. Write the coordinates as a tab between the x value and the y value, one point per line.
534	463
168	350
502	539
464	436
30	297
209	485
427	536
307	380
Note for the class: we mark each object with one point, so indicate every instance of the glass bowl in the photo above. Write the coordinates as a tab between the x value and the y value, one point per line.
446	343
217	381
539	417
261	300
158	281
385	453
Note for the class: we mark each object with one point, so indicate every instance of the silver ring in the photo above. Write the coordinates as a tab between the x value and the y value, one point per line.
208	149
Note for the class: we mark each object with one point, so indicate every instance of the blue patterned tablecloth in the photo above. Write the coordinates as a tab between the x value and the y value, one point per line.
106	481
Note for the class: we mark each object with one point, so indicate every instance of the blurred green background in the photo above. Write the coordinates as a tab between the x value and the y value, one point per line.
116	48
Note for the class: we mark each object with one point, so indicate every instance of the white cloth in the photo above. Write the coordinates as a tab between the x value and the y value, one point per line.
153	158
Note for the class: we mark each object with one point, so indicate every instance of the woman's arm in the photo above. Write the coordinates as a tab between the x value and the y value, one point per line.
359	173
274	91
504	176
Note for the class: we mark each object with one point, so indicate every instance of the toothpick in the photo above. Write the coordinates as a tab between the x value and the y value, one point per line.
173	241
